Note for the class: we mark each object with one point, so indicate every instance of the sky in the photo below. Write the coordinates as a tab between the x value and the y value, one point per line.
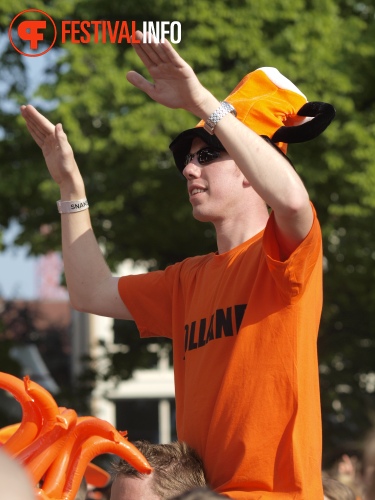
18	277
17	271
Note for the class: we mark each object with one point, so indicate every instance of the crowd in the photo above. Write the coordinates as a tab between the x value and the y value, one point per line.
178	474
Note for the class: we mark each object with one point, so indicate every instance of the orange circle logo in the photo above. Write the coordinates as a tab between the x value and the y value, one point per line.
31	32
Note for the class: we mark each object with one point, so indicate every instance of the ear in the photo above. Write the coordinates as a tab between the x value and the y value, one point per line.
245	182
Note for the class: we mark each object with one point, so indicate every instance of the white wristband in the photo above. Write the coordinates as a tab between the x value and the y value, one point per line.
70	207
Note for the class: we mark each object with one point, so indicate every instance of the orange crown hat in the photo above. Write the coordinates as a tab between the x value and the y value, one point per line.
270	105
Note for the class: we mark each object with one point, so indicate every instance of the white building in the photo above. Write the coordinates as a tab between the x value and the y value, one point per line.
143	405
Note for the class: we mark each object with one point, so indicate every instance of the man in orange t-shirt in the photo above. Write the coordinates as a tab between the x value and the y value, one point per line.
243	320
244	325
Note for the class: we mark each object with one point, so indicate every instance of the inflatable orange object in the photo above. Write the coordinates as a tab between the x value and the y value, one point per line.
7	432
44	402
31	416
55	445
86	428
93	447
39	456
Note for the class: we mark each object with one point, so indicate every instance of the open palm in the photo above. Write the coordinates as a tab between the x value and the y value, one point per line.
175	84
53	142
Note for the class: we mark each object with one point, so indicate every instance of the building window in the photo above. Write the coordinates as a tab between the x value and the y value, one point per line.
149	419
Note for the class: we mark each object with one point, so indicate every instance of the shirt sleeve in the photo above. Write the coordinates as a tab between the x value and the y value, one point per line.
292	275
149	298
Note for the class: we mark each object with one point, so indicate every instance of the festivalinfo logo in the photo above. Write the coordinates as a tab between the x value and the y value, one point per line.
35	37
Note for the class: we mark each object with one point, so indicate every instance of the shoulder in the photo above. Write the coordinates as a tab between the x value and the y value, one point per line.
271	243
190	263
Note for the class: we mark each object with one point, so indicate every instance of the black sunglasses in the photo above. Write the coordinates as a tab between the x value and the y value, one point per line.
204	155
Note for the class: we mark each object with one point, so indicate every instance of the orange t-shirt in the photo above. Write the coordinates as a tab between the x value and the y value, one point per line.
244	327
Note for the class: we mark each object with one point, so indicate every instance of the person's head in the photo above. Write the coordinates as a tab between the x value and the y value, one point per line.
335	490
369	466
15	484
82	492
216	186
176	468
203	493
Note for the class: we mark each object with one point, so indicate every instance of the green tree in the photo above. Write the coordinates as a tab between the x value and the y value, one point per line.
138	204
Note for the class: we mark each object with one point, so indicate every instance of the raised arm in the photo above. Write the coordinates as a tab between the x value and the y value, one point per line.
175	85
92	288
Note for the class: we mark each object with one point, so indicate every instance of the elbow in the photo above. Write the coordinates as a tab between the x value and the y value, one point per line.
79	304
297	203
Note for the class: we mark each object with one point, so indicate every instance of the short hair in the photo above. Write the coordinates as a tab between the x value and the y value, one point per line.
335	490
177	468
369	464
201	493
82	491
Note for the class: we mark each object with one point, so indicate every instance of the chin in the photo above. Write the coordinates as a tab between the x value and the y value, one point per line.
202	217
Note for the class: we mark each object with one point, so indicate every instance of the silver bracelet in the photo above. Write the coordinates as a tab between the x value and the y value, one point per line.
70	207
217	115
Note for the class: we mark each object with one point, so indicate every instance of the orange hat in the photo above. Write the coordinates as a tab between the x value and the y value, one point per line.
272	106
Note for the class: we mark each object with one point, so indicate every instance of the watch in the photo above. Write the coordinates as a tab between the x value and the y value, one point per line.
217	115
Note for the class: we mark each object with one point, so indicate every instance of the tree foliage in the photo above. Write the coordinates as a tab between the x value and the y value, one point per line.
138	202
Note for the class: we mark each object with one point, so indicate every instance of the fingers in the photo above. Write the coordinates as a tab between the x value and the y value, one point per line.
140	51
152	53
61	139
37	124
36	135
138	81
171	55
153	49
37	120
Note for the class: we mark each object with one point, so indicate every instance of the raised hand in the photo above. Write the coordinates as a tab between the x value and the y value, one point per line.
54	144
175	84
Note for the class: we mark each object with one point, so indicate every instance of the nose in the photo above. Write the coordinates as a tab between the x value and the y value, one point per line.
192	170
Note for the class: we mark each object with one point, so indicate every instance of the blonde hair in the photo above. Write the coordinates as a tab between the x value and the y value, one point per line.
177	468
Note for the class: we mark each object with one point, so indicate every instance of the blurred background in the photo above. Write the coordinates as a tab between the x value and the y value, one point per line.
140	210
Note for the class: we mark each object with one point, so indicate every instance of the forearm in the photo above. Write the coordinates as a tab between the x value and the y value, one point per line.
84	265
176	86
91	286
269	173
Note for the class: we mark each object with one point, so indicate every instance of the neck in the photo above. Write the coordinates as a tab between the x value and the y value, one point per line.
230	234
